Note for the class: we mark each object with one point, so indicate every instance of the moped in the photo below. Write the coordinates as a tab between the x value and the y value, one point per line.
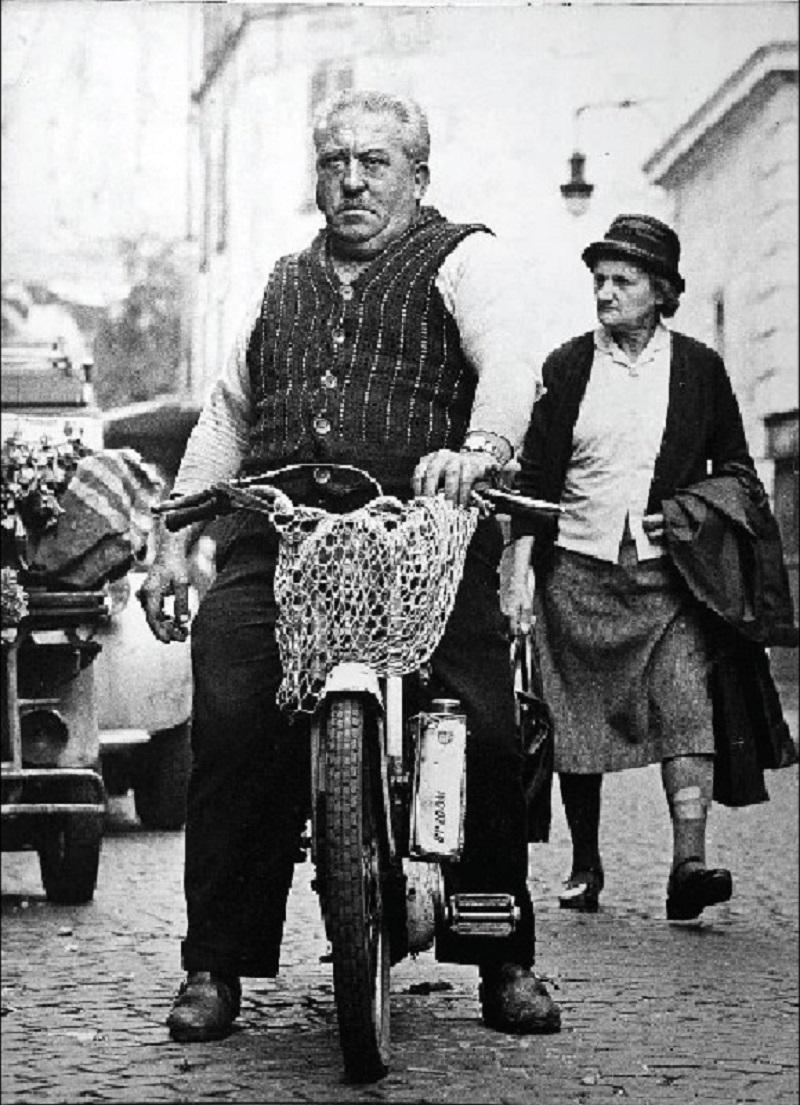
363	599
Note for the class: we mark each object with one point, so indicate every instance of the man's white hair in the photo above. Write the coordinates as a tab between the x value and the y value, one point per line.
413	121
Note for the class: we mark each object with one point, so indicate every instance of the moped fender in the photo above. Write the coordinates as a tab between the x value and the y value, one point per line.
351	677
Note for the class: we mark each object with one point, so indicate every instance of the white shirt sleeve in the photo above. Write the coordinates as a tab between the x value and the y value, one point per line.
220	440
485	289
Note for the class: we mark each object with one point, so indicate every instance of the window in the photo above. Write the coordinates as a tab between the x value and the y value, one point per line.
719	321
205	234
222	191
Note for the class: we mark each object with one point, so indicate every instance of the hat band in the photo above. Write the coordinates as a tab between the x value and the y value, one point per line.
619	248
645	242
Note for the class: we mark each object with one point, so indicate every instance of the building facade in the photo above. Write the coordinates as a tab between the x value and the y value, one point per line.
94	140
731	174
509	90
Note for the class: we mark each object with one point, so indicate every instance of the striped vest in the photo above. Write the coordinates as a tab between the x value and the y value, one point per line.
368	373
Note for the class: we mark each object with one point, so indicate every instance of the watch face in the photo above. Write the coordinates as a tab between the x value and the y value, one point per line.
476	443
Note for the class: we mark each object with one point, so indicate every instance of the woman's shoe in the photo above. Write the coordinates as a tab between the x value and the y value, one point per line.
582	890
690	890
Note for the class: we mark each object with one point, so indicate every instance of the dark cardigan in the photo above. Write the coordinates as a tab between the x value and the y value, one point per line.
703	427
703	436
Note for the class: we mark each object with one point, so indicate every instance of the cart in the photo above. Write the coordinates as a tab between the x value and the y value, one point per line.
53	798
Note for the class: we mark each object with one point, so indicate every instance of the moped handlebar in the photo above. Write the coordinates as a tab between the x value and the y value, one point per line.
504	501
257	494
176	518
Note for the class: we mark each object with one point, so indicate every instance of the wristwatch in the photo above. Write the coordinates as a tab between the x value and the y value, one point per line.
477	441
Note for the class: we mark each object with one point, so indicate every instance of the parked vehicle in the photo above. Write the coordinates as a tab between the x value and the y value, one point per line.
363	600
53	798
91	703
144	693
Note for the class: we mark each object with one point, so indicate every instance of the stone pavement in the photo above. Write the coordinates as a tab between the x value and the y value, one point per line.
653	1014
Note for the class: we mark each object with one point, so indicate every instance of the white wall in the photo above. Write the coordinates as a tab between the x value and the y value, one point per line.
736	212
501	86
95	99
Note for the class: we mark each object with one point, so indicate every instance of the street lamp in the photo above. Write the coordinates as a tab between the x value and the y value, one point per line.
577	191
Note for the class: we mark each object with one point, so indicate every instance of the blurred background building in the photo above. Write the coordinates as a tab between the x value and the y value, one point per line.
158	159
731	175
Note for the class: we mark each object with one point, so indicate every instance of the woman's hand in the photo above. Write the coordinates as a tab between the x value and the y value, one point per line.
517	586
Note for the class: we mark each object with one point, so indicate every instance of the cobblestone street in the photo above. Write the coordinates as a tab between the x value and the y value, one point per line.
652	1013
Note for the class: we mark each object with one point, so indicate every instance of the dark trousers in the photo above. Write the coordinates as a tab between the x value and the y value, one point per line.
249	789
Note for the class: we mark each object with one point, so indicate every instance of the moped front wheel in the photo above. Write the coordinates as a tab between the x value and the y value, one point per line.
354	857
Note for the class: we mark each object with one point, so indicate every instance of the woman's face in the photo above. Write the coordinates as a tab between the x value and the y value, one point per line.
625	297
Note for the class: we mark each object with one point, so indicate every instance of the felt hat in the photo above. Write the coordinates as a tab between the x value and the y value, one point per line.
644	240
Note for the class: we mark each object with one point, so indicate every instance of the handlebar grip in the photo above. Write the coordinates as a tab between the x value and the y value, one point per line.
182	502
179	519
519	506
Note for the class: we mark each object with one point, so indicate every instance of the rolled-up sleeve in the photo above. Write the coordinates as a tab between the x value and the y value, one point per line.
485	289
219	441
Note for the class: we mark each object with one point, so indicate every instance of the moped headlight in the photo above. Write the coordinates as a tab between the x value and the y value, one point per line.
44	734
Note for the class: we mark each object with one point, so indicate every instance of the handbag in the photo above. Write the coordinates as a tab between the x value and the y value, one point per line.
535	727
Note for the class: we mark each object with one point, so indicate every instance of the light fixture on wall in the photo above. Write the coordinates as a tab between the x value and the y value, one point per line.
577	191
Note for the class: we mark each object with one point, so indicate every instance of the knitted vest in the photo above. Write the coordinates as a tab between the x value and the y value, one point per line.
371	373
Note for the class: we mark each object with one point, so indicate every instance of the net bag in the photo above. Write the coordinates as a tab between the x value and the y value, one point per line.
376	585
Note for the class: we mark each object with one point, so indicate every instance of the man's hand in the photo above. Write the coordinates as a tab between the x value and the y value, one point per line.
453	473
167	578
653	526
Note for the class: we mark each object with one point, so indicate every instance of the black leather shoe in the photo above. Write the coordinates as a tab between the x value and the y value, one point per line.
582	890
691	889
205	1007
514	1000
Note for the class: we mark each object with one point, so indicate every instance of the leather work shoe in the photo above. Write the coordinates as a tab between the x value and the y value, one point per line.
582	890
514	1000
691	889
205	1008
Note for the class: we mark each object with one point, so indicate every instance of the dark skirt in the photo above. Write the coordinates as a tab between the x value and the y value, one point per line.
625	664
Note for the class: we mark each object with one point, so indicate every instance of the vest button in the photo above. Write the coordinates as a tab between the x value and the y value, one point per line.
321	425
329	380
322	475
338	337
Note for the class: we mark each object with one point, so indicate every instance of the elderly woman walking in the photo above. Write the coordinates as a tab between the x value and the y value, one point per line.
631	412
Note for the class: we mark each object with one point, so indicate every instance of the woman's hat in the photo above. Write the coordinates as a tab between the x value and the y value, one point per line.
644	240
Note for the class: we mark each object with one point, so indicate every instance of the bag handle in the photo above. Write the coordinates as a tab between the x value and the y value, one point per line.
521	658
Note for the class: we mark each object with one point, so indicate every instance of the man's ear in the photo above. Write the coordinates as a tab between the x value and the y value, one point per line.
318	196
422	178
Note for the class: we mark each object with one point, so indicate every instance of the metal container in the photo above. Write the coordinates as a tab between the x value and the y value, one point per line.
439	791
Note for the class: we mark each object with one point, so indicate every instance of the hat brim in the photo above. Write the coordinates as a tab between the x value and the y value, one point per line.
625	251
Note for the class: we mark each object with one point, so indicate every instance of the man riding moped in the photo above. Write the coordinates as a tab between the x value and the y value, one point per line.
399	342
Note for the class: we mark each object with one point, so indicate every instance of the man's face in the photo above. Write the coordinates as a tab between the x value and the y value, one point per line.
624	295
367	186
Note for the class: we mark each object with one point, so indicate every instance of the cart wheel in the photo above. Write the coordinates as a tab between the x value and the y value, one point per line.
69	858
161	779
354	861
